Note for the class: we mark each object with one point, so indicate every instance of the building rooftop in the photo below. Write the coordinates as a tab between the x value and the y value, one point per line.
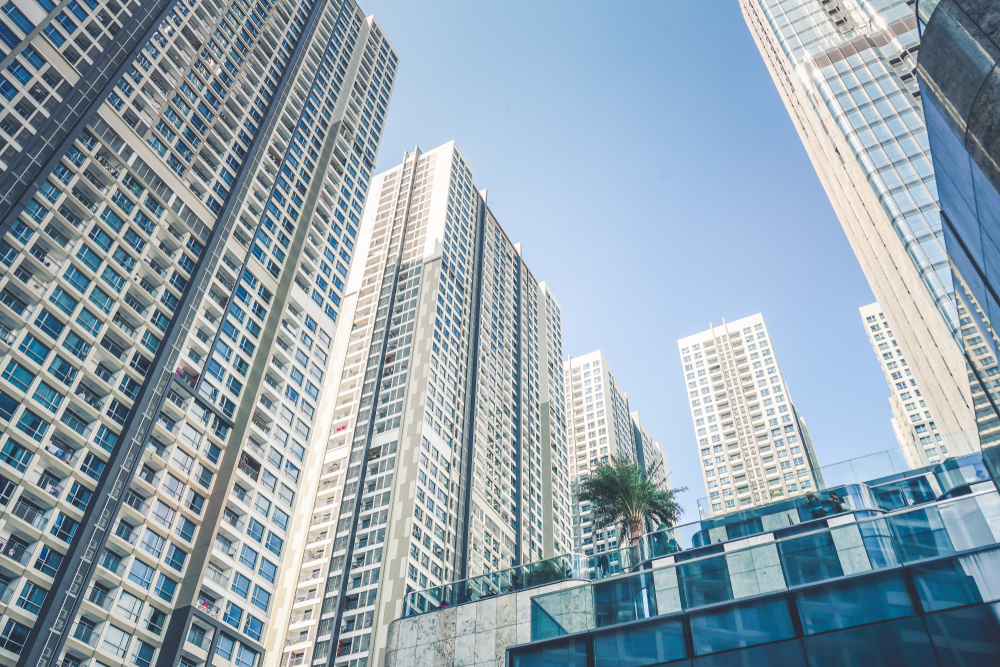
700	577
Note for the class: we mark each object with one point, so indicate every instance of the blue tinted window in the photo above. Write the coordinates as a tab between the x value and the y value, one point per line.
741	625
625	599
899	644
920	534
960	581
564	653
788	654
646	644
704	582
969	636
810	558
849	603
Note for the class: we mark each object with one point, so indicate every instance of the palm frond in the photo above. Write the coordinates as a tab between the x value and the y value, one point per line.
619	496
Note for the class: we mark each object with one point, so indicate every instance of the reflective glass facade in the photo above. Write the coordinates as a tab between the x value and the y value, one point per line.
957	73
845	71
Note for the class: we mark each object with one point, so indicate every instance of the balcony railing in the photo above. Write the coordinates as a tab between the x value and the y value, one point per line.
47	482
32	516
217	576
136	502
15	551
224	547
251	472
207	607
85	633
99	597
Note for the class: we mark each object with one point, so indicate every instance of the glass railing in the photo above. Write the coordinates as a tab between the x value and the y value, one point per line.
912	535
560	568
897	489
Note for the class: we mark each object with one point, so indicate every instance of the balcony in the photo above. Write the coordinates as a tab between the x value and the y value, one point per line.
32	515
46	481
15	551
98	597
254	447
225	547
85	633
136	502
112	562
89	396
217	577
233	520
259	423
126	532
249	470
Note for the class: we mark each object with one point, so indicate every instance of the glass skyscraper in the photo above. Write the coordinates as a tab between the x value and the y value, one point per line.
957	73
845	71
180	202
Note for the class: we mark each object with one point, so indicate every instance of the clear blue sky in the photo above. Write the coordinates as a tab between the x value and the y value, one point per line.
641	154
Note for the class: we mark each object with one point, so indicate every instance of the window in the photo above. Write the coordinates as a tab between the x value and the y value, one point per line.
233	615
175	557
31	597
854	602
13	636
248	557
241	585
274	543
153	543
128	606
268	570
245	657
18	375
255	529
142	656
739	626
253	628
140	573
225	647
116	641
261	598
165	588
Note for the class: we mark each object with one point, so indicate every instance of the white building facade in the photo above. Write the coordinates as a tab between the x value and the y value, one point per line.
913	413
753	445
444	389
602	428
170	296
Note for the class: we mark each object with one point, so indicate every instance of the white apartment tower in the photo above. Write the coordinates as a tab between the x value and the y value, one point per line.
448	416
754	446
602	428
913	412
180	201
648	452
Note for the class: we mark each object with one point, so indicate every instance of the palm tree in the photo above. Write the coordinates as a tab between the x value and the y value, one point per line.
621	496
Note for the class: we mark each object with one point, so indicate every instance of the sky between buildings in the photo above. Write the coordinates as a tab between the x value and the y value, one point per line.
641	154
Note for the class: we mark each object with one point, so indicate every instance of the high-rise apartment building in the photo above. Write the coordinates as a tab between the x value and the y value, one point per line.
649	455
180	206
602	428
845	71
913	415
447	389
754	446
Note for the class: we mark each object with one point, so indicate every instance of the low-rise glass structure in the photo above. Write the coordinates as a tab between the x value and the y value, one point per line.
894	571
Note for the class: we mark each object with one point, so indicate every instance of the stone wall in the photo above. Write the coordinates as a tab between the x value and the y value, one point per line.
469	635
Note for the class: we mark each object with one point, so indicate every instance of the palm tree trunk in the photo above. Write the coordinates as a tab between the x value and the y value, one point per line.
634	531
